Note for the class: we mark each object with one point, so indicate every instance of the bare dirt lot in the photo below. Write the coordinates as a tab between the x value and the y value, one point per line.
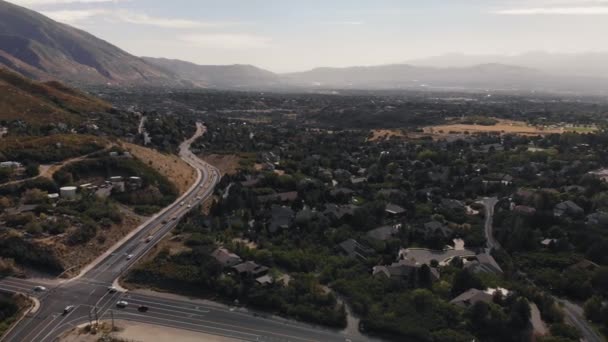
170	166
140	332
502	127
381	134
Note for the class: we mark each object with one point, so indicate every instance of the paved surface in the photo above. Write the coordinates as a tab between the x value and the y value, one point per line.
489	204
92	299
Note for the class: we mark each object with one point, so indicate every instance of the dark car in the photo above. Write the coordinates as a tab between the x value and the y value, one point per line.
142	308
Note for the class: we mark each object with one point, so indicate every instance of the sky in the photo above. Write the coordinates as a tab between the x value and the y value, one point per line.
297	35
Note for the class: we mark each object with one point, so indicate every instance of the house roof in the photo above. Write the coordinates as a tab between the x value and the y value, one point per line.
394	209
383	233
339	211
472	296
250	267
354	249
484	263
289	196
281	217
224	256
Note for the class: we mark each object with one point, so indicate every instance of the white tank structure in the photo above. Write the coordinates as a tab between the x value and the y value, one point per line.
68	192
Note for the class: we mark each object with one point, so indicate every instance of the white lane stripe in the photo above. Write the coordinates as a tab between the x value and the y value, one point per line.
292	324
158	312
39	330
191	307
10	288
236	327
60	322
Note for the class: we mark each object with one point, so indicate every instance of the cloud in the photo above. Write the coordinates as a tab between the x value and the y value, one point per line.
584	10
79	16
73	16
144	19
346	22
58	2
229	41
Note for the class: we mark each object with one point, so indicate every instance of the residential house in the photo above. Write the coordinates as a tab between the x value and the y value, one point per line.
226	258
568	208
394	209
383	233
599	218
484	263
337	212
250	269
471	297
436	228
281	218
403	269
283	197
354	249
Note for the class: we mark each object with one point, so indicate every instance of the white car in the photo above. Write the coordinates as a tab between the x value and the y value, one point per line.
112	289
122	304
129	256
68	309
39	288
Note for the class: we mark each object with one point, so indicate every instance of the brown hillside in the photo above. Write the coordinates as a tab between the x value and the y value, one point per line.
35	102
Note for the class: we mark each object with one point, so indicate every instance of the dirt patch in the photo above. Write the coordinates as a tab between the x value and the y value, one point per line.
135	331
249	244
228	164
385	134
174	168
502	127
73	258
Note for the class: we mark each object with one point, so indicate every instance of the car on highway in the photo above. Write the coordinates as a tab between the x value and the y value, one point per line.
129	256
122	304
39	288
164	222
68	309
112	289
181	204
149	238
174	218
142	308
189	206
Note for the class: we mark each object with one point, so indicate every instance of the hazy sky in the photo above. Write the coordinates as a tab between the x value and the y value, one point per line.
292	35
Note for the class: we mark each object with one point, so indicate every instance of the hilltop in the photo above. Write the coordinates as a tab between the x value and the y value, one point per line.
41	48
43	102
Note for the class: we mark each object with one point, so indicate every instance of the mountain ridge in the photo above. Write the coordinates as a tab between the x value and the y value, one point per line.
41	48
44	102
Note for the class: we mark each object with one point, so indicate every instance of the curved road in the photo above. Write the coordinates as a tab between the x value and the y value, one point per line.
90	295
573	312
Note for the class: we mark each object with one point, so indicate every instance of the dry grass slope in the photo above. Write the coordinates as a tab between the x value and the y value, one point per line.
170	166
36	103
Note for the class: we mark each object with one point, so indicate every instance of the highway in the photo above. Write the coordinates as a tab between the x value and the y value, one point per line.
90	295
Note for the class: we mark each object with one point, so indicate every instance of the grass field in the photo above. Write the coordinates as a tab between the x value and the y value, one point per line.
505	127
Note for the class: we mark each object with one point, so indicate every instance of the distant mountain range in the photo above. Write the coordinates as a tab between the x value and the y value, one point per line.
42	103
591	64
218	76
40	48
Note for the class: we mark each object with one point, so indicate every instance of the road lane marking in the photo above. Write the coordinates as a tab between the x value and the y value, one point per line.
261	332
181	322
41	330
